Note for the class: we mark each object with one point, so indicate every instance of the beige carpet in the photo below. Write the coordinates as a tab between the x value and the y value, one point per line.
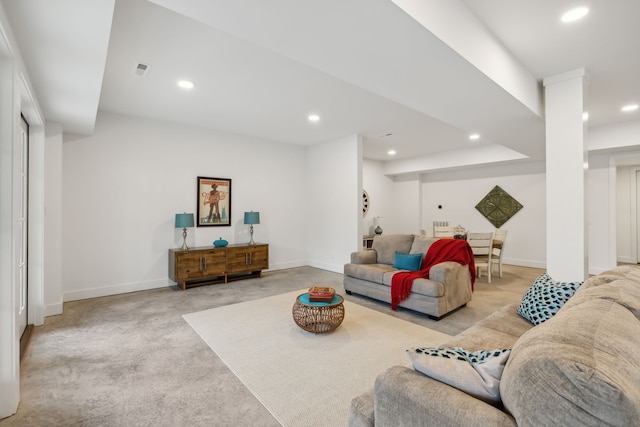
301	378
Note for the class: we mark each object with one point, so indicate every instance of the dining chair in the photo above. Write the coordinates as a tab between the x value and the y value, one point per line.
481	245
499	238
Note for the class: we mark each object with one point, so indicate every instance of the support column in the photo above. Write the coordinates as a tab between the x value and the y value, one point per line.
566	153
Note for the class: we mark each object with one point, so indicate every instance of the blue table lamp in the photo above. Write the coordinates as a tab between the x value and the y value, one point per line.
183	221
251	218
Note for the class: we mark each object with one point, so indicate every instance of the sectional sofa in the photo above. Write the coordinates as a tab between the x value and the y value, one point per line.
577	366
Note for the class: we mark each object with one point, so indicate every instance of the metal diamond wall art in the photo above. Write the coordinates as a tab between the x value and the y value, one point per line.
498	206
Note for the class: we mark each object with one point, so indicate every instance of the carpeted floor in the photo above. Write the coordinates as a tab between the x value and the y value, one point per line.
132	360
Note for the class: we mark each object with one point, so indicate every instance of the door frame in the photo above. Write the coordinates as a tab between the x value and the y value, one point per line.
15	83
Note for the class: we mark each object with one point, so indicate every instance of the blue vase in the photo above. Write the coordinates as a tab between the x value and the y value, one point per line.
220	243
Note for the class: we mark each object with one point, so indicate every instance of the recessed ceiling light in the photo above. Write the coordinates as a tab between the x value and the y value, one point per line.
314	118
629	108
574	14
391	152
185	84
474	136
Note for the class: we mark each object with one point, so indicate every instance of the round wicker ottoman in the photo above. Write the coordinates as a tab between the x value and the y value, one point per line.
318	317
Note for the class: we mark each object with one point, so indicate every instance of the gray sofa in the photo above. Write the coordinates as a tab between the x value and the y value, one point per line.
579	368
370	271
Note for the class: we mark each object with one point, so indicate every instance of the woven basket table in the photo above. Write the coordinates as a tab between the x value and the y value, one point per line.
318	317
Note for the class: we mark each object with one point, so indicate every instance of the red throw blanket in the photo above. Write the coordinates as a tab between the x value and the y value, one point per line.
440	251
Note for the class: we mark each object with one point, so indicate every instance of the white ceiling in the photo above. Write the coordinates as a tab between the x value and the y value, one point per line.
428	72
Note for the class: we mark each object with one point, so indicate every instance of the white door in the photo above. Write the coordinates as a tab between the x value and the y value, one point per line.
24	223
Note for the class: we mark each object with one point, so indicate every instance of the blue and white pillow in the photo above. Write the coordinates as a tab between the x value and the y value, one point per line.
477	373
545	297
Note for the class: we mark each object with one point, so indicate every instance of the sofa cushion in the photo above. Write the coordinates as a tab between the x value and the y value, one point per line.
411	262
364	257
477	373
370	272
621	291
500	329
545	297
361	412
387	245
421	244
579	368
420	286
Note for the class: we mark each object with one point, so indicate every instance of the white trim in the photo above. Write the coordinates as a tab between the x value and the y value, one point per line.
36	307
125	288
287	265
18	97
9	339
328	267
524	263
53	310
115	290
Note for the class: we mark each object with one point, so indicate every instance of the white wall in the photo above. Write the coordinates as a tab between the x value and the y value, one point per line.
601	225
413	204
123	185
459	192
626	213
380	189
611	205
334	202
405	207
53	220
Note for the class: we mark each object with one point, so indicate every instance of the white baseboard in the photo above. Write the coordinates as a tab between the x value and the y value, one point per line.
139	286
115	289
286	265
524	263
328	267
52	310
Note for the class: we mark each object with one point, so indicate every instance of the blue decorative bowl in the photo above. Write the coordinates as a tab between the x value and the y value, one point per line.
220	243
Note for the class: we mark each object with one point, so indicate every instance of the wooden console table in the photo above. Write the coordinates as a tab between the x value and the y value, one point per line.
206	265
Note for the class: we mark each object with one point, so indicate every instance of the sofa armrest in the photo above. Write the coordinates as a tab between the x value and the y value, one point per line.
364	257
448	272
405	397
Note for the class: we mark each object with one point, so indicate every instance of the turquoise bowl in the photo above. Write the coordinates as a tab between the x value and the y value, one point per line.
220	243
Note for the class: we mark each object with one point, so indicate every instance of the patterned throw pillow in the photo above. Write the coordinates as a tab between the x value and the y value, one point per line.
545	297
477	373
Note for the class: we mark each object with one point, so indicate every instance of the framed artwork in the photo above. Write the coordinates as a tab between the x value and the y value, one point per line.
214	201
498	206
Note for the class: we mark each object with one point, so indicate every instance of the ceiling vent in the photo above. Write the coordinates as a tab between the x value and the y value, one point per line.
141	69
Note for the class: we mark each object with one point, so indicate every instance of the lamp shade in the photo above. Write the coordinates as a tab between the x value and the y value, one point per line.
252	217
184	220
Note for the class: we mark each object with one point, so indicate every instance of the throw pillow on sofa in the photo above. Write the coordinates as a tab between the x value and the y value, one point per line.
411	262
477	373
545	297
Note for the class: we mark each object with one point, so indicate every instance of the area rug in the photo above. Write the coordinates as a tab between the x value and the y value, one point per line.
305	379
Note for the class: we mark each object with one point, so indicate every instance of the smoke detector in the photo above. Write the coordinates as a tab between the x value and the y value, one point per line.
141	69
